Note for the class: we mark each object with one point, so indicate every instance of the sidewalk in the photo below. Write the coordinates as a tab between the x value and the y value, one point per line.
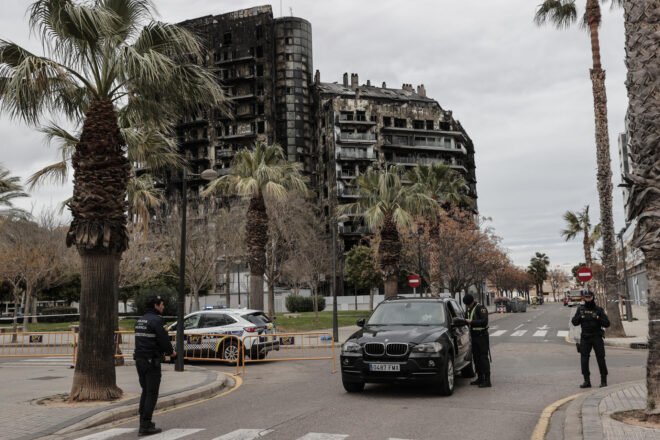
589	416
23	417
637	332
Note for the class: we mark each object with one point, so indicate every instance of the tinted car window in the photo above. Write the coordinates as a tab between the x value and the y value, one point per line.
214	320
257	318
408	313
191	322
458	310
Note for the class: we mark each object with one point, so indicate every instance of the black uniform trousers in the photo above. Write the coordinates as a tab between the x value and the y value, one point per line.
149	374
587	342
480	349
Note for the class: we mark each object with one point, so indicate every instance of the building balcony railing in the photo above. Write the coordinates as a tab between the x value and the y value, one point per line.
225	153
194	142
246	134
357	155
423	130
412	160
348	192
235	60
344	175
345	119
352	229
193	123
423	145
358	137
242	97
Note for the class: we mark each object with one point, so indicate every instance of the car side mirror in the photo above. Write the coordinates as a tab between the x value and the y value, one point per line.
360	322
459	322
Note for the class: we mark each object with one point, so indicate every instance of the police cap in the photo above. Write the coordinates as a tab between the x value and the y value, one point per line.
153	300
468	299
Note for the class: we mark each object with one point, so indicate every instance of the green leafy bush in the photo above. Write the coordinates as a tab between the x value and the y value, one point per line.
168	294
300	304
46	314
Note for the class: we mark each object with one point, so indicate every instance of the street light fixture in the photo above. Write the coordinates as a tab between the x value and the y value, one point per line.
206	175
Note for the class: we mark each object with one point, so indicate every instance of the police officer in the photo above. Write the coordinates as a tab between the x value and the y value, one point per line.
592	319
477	317
151	344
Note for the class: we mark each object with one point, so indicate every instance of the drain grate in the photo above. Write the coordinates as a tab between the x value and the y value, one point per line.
47	378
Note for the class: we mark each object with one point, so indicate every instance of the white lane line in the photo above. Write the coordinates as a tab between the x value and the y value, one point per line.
562	333
498	333
173	434
519	333
114	432
321	436
540	333
244	434
392	438
519	326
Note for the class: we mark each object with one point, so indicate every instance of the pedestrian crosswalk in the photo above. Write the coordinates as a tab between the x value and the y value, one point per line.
194	434
539	333
46	361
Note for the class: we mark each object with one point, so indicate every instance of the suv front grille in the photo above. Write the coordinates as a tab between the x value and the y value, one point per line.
397	349
374	348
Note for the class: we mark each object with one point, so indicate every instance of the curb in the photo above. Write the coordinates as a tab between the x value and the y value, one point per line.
544	420
221	382
609	343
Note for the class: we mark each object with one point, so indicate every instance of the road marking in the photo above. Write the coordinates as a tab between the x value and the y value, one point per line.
519	326
172	434
108	434
498	333
244	434
562	333
519	333
321	436
540	333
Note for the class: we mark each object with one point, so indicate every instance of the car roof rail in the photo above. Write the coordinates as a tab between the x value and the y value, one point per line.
396	297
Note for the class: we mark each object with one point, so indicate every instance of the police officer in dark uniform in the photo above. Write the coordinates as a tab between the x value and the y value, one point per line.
477	318
151	344
592	319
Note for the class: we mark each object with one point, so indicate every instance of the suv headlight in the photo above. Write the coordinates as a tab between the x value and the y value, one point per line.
351	347
427	347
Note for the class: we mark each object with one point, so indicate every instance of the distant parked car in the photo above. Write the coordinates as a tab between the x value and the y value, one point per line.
574	298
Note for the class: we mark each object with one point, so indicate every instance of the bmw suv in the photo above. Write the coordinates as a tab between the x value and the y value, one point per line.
409	340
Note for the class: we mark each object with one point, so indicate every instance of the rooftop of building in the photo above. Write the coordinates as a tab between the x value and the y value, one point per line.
241	13
347	89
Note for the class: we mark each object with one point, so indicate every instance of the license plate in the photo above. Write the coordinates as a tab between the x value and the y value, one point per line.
384	367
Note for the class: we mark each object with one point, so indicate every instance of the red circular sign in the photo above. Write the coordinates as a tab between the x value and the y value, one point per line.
414	281
584	274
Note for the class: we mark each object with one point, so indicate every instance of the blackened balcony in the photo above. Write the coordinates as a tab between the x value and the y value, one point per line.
225	153
356	155
246	134
194	142
369	138
348	192
235	60
348	119
353	230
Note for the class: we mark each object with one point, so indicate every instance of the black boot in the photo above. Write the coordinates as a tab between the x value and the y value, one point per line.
485	383
478	380
603	381
587	383
148	428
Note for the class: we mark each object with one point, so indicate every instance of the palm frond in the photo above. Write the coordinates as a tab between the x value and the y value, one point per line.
561	13
57	173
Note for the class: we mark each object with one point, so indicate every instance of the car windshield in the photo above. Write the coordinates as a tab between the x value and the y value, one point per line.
408	313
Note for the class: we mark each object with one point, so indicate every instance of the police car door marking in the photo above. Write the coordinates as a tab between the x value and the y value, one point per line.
108	434
173	434
244	434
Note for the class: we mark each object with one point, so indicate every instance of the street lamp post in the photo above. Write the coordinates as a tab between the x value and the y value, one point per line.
629	316
180	305
335	321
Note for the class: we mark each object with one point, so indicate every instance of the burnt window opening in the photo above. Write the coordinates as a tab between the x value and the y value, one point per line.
289	57
373	118
400	123
226	38
418	125
360	116
261	127
260	109
260	70
346	116
260	90
429	125
260	51
387	121
225	55
260	31
444	126
288	40
251	51
218	131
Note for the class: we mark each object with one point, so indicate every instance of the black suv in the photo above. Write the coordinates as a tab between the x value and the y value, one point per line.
406	339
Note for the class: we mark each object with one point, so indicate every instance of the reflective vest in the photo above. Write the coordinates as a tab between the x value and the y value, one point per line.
471	317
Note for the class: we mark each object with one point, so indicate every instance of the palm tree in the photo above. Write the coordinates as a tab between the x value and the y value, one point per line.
643	62
538	269
447	188
563	13
255	174
387	206
10	189
102	55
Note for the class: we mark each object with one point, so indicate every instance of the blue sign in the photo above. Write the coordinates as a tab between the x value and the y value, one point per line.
194	339
36	339
287	340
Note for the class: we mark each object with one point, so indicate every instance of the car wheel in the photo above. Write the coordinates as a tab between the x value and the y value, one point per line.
446	387
353	387
255	354
469	370
230	352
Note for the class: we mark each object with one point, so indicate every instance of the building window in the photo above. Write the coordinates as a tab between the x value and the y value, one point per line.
400	123
226	39
387	121
260	51
261	127
260	70
260	31
288	40
429	125
260	90
418	125
361	116
260	109
289	57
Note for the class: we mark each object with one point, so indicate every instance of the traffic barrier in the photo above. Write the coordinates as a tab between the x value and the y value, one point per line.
39	344
290	347
198	347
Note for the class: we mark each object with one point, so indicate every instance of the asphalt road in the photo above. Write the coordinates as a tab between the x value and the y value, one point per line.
532	367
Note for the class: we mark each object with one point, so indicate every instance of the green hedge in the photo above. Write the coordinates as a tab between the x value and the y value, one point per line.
299	304
168	294
44	317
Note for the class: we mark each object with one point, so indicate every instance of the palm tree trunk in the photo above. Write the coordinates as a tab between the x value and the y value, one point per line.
27	310
98	230
257	238
604	173
434	263
227	283
642	25
390	254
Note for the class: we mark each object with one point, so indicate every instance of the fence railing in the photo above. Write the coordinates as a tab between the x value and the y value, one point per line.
39	344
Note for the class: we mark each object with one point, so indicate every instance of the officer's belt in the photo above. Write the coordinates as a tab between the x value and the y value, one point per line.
146	335
476	329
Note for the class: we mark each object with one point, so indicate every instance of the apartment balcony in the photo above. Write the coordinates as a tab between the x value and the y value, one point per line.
424	145
348	192
459	167
423	131
412	160
353	230
345	119
225	153
247	134
357	138
194	142
199	122
357	155
243	97
235	60
238	78
344	175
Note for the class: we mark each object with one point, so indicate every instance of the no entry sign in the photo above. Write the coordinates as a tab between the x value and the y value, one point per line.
414	281
584	274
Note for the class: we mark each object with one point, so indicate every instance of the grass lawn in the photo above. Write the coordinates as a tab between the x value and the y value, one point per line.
306	320
124	324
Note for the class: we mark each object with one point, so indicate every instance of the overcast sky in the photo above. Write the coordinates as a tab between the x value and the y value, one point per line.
522	92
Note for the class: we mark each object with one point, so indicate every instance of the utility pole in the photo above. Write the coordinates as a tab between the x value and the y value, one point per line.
178	366
335	321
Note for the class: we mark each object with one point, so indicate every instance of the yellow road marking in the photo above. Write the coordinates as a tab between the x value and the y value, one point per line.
546	415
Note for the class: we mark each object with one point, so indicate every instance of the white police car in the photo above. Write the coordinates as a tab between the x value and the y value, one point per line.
251	326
